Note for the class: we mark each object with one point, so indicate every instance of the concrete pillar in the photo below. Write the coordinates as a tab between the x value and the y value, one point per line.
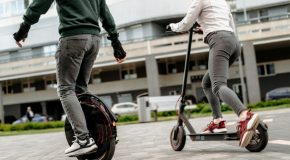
152	76
251	73
1	105
43	107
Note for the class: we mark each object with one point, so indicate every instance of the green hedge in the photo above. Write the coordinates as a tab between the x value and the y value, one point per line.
201	108
128	118
205	107
270	103
31	126
166	114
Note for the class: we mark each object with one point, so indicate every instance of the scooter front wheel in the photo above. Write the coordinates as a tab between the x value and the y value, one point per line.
177	138
259	140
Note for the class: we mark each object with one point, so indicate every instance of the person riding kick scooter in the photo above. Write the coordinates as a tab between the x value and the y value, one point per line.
218	29
77	50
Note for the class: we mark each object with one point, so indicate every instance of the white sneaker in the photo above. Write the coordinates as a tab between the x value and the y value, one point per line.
81	147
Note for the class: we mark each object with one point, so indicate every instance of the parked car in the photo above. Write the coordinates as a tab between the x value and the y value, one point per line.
37	118
161	104
125	108
278	93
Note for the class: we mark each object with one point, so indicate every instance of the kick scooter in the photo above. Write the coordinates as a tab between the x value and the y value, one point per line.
178	134
101	123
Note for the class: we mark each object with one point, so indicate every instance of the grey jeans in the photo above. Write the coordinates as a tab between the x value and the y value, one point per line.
75	58
224	50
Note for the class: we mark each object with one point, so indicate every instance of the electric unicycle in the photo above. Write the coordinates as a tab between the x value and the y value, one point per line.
101	124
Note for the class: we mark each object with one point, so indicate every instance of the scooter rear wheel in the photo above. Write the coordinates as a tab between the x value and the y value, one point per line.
177	138
259	140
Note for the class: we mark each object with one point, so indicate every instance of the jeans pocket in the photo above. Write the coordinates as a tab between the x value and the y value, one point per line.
75	47
228	43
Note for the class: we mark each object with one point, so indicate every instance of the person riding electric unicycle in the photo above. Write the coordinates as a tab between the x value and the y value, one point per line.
77	50
218	29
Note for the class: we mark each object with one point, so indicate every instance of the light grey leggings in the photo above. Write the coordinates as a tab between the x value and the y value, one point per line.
224	50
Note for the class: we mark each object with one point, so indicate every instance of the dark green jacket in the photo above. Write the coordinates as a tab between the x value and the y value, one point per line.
75	16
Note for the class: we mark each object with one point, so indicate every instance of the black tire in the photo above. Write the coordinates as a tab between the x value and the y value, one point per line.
259	140
177	138
108	155
105	152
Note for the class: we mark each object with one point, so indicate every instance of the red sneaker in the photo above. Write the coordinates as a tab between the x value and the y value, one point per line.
247	128
215	128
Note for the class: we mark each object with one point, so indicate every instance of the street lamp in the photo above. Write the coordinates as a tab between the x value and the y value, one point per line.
233	5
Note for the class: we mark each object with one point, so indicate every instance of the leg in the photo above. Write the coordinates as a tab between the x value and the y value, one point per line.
69	58
218	124
86	67
223	53
212	98
218	69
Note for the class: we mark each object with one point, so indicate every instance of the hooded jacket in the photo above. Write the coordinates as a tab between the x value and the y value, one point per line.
75	16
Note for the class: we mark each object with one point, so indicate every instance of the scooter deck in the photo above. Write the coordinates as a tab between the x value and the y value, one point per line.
214	136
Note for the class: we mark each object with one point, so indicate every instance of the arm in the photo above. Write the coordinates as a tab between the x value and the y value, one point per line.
35	10
108	21
191	17
32	15
110	26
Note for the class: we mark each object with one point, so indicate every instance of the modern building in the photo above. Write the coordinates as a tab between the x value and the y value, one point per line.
155	57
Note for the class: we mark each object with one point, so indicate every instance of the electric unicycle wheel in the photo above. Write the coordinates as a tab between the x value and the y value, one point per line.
101	124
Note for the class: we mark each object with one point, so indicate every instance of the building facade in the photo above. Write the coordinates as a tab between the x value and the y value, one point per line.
155	57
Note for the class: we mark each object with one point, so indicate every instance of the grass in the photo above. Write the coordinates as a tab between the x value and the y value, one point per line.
26	132
15	133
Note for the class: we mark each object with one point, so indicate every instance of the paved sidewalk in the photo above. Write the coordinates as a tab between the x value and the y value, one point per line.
150	141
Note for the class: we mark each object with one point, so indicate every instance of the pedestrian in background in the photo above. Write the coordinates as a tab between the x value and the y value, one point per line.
29	114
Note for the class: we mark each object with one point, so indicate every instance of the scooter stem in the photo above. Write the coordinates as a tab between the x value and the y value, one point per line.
186	68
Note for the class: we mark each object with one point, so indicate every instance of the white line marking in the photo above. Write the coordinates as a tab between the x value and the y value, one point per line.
281	142
234	123
268	120
231	123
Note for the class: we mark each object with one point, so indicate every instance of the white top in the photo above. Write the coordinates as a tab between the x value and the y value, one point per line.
212	15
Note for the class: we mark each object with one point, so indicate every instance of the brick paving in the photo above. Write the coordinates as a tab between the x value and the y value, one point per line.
150	141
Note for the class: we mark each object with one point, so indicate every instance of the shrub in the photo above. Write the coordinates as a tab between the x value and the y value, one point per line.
199	107
270	103
127	118
166	114
226	108
31	126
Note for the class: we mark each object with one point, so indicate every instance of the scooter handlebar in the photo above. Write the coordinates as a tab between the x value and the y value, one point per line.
193	28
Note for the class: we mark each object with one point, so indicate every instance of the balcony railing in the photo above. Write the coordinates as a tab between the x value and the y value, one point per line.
164	45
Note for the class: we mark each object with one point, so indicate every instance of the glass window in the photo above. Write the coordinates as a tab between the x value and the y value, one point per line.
266	69
11	7
241	18
49	50
270	69
253	16
261	70
278	13
172	68
1	9
264	15
129	74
